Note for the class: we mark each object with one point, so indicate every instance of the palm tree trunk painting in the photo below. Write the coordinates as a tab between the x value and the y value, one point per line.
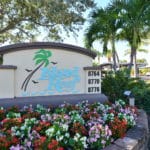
40	58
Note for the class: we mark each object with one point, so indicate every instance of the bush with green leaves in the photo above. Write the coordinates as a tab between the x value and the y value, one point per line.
114	85
142	95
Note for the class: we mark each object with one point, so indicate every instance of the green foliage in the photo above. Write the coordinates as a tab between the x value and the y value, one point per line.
143	71
123	61
142	60
114	85
121	20
103	28
22	20
135	26
141	92
95	64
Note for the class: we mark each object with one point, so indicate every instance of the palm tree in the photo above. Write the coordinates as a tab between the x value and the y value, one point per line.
135	24
103	27
109	55
41	58
128	51
99	55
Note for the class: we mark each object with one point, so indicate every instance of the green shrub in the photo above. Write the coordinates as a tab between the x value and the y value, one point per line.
141	92
114	85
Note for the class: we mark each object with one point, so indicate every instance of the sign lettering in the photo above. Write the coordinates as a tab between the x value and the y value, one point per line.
93	78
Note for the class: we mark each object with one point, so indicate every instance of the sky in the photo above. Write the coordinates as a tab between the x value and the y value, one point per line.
121	46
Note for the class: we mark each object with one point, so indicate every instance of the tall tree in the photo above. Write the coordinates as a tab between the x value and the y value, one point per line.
103	27
109	55
22	20
128	51
135	16
99	55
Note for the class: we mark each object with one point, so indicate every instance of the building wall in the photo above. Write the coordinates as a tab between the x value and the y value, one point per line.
7	83
64	74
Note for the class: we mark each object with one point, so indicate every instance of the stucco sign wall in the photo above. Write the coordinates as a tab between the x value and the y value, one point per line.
59	80
38	69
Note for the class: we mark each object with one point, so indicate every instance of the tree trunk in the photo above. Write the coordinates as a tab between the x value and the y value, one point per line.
117	58
113	52
133	62
135	65
131	59
109	59
99	59
134	47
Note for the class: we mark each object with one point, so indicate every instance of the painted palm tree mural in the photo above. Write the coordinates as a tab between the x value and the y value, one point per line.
41	58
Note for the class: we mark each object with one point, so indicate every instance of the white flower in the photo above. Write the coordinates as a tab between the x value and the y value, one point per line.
17	133
67	135
59	138
65	127
23	127
1	108
76	137
29	129
131	117
49	132
13	130
83	138
58	132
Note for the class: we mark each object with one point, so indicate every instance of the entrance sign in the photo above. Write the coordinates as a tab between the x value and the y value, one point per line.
47	68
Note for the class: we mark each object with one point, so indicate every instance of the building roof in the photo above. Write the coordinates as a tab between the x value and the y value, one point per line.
34	45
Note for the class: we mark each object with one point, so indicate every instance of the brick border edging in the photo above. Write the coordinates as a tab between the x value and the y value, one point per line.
136	138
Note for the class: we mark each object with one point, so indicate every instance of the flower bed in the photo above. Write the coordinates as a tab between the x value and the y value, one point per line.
74	127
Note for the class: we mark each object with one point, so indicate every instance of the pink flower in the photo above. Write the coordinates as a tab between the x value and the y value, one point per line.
17	147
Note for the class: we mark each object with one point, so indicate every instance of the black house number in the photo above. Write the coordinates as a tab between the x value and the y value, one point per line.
93	81
93	73
93	89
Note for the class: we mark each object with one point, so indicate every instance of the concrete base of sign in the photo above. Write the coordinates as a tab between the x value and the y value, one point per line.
53	100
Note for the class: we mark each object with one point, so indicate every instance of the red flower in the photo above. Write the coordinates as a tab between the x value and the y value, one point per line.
39	142
53	145
79	128
31	115
14	141
118	127
60	148
4	120
41	127
2	114
4	143
43	138
9	122
13	109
